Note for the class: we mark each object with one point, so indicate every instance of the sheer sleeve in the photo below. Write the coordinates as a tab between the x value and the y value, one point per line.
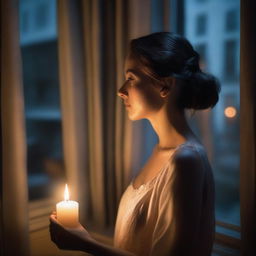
163	234
176	229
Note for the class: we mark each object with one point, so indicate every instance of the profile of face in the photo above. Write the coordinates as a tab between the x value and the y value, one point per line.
141	94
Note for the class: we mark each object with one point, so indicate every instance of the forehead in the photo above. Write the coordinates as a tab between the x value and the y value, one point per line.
132	65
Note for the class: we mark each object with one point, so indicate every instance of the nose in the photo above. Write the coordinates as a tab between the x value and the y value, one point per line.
122	92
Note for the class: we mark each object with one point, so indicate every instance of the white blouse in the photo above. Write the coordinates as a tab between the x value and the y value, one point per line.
145	219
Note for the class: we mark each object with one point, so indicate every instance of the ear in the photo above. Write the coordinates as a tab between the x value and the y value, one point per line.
167	85
164	91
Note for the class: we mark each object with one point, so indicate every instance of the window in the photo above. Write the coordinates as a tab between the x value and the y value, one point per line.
230	60
41	15
24	21
42	99
201	24
232	20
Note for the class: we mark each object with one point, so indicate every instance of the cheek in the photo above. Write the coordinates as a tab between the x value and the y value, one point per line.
148	97
138	97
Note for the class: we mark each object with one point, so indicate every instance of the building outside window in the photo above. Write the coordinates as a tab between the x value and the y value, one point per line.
230	71
201	24
232	20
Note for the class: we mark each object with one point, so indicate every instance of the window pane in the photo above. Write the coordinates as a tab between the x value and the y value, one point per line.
230	57
232	20
219	128
38	41
201	25
41	15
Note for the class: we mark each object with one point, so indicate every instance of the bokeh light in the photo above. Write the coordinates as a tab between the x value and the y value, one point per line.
230	112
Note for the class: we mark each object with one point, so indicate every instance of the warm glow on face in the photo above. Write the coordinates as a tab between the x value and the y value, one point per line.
230	112
66	193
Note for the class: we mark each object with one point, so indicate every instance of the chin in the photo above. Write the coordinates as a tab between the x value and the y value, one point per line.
135	117
135	114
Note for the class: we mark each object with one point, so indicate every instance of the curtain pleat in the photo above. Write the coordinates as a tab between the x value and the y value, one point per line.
14	173
93	68
248	128
109	62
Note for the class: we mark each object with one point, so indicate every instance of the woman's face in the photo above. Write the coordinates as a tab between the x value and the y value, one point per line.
141	96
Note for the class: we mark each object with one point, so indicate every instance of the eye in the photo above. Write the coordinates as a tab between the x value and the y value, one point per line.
129	79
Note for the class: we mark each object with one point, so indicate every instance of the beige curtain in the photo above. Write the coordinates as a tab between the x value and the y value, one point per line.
98	138
14	210
248	128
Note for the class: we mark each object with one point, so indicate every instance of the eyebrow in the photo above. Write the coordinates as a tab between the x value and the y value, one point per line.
135	72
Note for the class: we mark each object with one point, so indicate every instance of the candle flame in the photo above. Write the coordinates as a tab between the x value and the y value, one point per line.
66	193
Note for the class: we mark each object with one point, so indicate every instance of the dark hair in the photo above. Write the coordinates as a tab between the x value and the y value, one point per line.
169	54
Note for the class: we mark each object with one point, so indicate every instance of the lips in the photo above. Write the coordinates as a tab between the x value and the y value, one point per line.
127	105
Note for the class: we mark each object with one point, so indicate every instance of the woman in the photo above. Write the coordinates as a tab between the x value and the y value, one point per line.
168	209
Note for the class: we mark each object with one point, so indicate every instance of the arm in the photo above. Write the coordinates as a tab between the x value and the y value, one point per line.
79	239
187	200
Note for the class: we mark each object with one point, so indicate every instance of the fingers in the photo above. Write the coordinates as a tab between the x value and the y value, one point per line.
54	222
55	230
54	213
53	218
54	226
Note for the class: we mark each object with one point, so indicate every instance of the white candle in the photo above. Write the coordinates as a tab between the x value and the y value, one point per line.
67	211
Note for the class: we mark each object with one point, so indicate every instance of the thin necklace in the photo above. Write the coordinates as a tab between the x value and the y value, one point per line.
168	148
164	148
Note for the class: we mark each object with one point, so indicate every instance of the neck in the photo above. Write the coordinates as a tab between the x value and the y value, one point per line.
172	128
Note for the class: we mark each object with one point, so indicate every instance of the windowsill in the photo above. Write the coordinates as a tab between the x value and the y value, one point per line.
222	250
227	239
39	212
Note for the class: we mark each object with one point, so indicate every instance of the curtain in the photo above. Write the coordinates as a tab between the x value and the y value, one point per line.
248	128
14	195
99	140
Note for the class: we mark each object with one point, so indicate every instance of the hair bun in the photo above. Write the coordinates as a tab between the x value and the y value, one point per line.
200	91
191	65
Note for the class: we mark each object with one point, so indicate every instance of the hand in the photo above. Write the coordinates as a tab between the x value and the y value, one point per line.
69	238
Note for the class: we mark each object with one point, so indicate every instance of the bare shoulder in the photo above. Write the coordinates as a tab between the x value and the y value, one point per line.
187	159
